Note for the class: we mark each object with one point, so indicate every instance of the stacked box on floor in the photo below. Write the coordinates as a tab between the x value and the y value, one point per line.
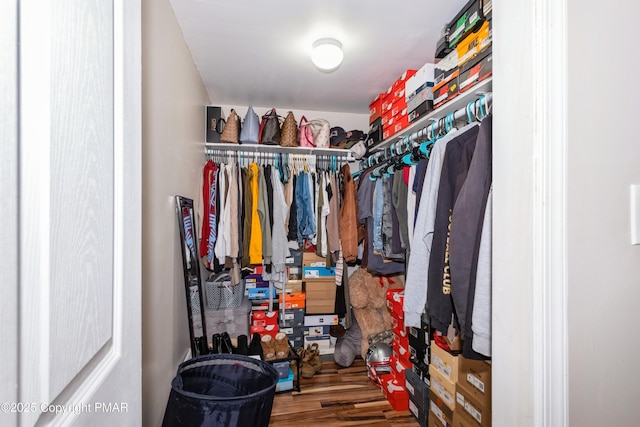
319	284
473	394
395	386
316	331
417	379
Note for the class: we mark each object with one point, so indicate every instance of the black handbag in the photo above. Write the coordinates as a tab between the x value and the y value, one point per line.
270	128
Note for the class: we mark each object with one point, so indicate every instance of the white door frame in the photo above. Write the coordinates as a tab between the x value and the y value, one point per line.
530	347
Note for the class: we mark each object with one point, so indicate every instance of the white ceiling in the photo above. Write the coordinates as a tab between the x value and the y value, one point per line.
252	52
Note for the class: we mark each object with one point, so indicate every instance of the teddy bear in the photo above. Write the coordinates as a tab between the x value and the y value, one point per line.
367	294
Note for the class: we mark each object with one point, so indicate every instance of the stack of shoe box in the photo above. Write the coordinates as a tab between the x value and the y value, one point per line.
320	289
417	379
473	394
419	92
464	52
443	373
394	107
395	387
316	331
292	317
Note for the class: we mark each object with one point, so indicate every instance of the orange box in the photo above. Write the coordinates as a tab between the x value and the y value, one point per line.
375	107
399	107
294	300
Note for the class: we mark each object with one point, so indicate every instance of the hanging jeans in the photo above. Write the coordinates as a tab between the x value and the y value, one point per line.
304	204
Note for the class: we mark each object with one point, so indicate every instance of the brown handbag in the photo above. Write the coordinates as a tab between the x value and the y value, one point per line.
289	132
231	129
270	128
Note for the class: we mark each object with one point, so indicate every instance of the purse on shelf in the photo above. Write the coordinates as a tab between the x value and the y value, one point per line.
231	129
305	133
321	132
249	134
270	128
289	131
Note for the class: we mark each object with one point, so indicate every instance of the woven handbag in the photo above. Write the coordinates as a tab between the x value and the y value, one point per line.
231	130
289	131
270	128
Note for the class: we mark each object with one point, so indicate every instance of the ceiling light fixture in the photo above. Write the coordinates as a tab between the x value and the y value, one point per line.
327	54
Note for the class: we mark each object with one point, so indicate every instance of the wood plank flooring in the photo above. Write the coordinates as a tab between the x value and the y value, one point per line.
336	397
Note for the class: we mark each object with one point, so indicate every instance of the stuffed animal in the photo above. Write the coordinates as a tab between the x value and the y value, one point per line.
367	294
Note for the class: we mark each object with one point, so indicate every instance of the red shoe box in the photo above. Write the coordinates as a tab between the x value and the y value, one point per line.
399	107
401	352
398	367
264	318
396	393
397	88
395	302
265	330
375	107
398	123
398	327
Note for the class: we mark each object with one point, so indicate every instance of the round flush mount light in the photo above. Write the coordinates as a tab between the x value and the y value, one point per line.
327	54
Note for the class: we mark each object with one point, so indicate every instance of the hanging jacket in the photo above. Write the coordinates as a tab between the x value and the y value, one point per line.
349	217
304	205
416	286
255	242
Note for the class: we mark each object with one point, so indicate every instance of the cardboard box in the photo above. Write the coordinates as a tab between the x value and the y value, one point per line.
446	90
445	362
444	388
399	107
293	317
291	287
264	305
399	123
261	293
474	43
253	281
324	342
316	330
265	330
445	67
465	21
285	384
475	377
420	413
461	418
477	70
422	109
396	90
420	97
321	319
294	300
321	296
478	412
435	422
418	390
375	107
294	273
375	132
395	302
310	259
263	318
421	79
396	394
318	273
439	409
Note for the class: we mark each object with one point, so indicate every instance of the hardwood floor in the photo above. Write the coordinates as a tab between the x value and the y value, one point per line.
337	396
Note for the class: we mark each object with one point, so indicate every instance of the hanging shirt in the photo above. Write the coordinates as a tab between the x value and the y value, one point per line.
263	215
224	232
277	276
255	242
418	264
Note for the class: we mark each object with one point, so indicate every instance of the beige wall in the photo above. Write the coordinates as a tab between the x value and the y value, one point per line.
173	97
603	266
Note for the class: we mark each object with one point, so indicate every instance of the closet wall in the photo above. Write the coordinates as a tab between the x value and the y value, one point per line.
173	97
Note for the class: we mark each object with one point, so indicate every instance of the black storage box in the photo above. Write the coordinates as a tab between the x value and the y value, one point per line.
467	20
214	124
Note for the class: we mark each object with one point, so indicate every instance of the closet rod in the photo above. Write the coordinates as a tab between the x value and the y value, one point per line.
260	148
406	143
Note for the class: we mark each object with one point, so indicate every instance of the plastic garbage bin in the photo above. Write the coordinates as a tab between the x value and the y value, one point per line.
221	390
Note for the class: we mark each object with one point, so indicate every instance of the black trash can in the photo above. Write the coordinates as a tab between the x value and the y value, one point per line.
221	390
